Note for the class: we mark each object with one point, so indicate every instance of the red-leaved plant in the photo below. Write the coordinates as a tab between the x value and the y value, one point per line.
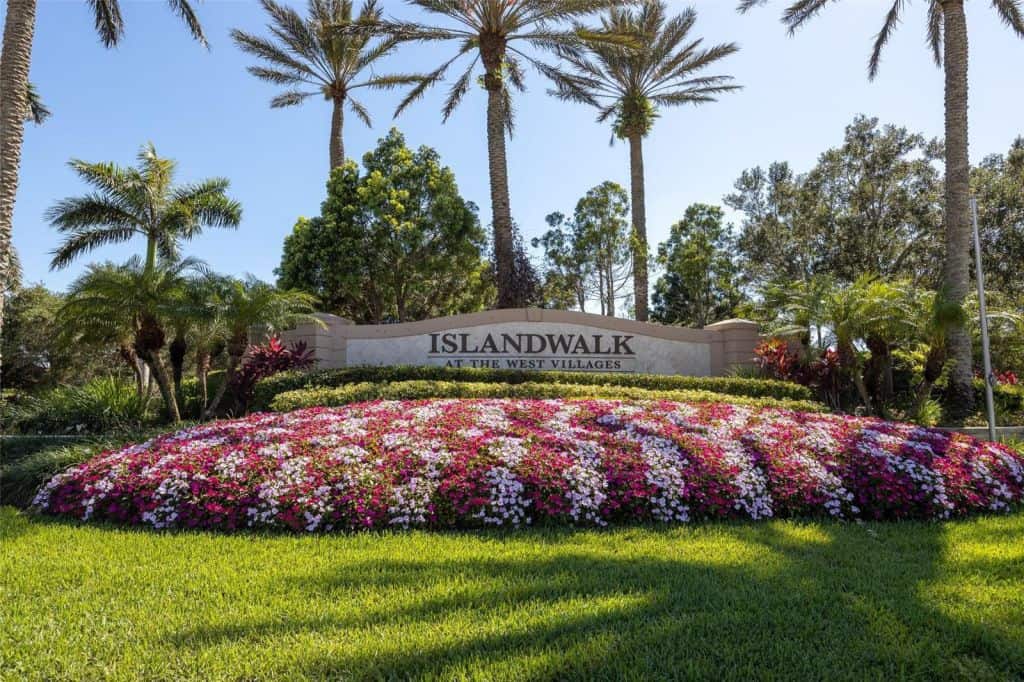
262	361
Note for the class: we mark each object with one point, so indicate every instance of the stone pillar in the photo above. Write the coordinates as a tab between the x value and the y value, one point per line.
735	345
326	340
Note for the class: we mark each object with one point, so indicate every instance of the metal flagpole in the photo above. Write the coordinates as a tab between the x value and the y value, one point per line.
986	358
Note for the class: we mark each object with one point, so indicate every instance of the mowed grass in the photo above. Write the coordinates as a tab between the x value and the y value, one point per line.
782	600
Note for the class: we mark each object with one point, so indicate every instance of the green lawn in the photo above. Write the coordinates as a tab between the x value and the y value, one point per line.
736	601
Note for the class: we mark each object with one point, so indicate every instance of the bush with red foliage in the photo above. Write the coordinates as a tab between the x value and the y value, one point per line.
262	361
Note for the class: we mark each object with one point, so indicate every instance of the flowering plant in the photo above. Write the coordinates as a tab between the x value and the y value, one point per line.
471	463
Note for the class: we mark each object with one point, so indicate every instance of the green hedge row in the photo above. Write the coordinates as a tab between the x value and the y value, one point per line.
269	388
416	390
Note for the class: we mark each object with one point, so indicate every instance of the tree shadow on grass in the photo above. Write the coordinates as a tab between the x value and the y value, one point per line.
783	600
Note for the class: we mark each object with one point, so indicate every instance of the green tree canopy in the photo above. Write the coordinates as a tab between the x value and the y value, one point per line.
397	242
998	183
870	206
590	256
700	284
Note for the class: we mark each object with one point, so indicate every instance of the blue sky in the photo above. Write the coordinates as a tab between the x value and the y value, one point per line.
201	108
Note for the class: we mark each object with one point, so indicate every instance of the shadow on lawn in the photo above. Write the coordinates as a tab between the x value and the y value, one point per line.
784	600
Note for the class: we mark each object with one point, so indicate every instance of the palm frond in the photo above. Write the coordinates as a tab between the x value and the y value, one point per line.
1011	14
290	99
108	21
935	29
892	19
278	76
36	110
360	110
184	10
83	240
458	91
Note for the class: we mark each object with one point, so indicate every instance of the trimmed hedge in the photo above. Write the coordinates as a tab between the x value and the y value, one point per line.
418	390
269	388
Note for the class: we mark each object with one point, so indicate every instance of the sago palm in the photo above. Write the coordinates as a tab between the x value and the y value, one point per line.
947	37
314	55
629	86
141	201
15	60
252	304
503	36
109	297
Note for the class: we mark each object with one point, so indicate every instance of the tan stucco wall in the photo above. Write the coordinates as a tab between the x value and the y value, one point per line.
658	349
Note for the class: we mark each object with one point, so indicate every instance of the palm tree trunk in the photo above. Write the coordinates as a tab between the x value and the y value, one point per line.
163	382
337	124
177	351
638	201
210	409
959	399
493	52
19	26
202	372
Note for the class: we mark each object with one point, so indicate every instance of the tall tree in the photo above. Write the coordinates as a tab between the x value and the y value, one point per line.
139	201
947	37
869	206
590	257
629	85
491	32
570	268
998	182
314	55
602	227
397	243
699	286
15	59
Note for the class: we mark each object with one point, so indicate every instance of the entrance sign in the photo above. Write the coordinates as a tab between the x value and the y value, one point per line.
533	339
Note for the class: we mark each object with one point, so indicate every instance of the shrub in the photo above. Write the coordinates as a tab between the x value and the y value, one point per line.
100	406
471	463
267	389
21	478
264	361
413	390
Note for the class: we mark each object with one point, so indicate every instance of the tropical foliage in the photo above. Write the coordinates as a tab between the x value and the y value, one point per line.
15	109
630	84
947	38
504	37
140	201
314	55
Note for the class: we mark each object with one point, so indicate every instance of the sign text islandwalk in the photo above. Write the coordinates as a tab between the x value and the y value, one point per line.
582	352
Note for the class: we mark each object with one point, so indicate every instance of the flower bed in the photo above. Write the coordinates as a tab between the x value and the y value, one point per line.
469	463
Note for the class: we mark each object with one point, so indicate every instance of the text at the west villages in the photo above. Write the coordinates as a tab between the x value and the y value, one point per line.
571	352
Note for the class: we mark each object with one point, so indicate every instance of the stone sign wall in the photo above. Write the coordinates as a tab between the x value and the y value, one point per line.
533	339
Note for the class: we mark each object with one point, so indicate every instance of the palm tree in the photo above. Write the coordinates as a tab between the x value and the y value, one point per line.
15	60
252	304
139	201
490	32
629	86
316	52
947	37
144	298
